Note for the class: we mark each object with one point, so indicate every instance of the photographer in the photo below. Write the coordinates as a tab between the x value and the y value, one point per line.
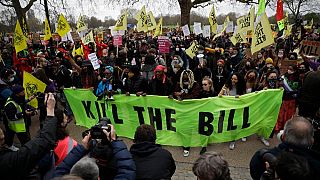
298	139
24	160
124	163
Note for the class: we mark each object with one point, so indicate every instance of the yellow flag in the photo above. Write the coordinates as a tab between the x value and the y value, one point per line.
246	23
238	37
32	86
122	22
262	35
78	51
158	30
225	23
141	17
192	50
47	31
20	41
310	24
151	21
80	24
213	20
63	26
88	38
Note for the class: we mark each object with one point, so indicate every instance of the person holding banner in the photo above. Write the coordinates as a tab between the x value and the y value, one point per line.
187	88
105	86
235	86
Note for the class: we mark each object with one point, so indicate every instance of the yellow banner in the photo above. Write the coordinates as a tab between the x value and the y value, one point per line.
262	35
152	24
47	31
80	24
63	26
32	86
192	50
19	41
141	17
213	20
246	23
122	22
158	31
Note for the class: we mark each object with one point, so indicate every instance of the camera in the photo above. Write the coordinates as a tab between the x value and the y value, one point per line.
267	156
96	131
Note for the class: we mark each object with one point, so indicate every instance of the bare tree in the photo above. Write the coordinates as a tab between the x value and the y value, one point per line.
20	11
298	7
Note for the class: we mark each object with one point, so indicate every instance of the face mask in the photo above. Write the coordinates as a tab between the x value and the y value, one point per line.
200	52
290	71
11	79
177	49
186	83
272	83
183	49
259	56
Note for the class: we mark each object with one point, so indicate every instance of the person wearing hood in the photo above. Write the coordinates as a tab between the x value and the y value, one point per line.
16	111
6	78
105	84
152	161
160	85
175	69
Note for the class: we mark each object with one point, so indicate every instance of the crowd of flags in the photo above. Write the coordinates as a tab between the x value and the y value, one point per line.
147	23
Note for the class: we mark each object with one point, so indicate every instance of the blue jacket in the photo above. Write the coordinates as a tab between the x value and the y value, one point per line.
125	164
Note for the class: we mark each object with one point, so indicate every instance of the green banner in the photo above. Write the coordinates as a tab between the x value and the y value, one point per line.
195	122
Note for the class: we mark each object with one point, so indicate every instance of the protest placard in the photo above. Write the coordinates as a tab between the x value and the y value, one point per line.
310	48
164	44
94	60
185	30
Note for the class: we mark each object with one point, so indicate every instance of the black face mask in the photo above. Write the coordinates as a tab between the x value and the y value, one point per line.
272	83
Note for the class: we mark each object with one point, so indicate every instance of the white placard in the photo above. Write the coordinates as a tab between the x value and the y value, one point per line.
197	29
219	28
206	31
197	23
64	38
185	29
94	60
116	33
229	27
70	37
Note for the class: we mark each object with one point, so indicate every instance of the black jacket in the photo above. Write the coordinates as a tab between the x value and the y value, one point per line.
136	84
152	161
257	165
17	165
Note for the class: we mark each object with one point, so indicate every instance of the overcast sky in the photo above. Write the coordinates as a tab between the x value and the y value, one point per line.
101	10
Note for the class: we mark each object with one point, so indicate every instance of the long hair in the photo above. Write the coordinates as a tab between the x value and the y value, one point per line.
206	78
240	86
190	75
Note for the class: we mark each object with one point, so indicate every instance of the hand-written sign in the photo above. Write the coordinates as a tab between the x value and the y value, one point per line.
310	48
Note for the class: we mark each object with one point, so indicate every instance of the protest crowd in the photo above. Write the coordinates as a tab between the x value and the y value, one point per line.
174	64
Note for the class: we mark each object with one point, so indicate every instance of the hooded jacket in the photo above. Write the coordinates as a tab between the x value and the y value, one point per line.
152	161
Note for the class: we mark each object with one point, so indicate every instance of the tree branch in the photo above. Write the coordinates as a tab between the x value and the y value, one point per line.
25	9
4	4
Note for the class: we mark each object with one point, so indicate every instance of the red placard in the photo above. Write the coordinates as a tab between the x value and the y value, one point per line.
164	44
117	40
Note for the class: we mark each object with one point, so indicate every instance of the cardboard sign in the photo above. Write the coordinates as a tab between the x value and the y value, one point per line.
229	27
117	40
310	48
164	44
94	60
